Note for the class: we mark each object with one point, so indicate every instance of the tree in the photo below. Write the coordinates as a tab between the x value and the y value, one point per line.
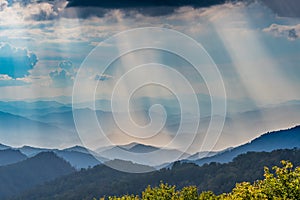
283	184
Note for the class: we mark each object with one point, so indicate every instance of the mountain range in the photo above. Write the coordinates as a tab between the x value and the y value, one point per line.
140	153
81	157
44	123
51	124
101	180
22	130
284	139
38	165
9	156
78	157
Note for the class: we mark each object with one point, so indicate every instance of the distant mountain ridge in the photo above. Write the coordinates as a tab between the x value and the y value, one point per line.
79	157
204	154
283	139
32	151
51	124
142	154
23	130
10	156
80	160
27	109
2	147
78	148
141	148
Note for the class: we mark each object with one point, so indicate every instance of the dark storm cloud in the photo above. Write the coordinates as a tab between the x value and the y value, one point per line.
284	8
89	8
146	7
143	3
86	12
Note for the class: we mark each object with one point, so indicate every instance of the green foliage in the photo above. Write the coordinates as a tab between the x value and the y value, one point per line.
207	195
163	192
283	185
188	193
126	197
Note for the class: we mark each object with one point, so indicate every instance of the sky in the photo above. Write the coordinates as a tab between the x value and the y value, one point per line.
254	45
44	43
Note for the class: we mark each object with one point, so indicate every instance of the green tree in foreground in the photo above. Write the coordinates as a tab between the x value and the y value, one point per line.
163	192
284	184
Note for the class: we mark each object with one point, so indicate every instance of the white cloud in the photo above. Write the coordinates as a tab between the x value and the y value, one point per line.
5	77
42	11
66	65
291	32
102	77
16	62
6	80
63	76
24	14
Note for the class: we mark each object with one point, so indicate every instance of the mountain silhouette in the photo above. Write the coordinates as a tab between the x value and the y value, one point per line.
33	171
283	139
9	156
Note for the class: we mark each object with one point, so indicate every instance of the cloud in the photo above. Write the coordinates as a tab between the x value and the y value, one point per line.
284	8
16	62
146	7
31	10
102	77
77	12
66	65
5	77
46	10
145	3
21	2
6	80
43	11
290	32
63	76
49	10
3	5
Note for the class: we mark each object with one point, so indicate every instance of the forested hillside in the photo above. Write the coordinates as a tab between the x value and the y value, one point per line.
103	181
26	174
282	184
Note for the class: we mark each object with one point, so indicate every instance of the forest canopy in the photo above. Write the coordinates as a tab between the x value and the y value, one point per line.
278	183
